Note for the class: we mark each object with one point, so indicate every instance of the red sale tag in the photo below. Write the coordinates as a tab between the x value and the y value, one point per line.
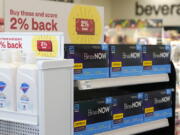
85	26
44	45
1	21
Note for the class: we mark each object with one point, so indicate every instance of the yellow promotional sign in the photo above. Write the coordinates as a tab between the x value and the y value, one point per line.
80	23
84	25
45	46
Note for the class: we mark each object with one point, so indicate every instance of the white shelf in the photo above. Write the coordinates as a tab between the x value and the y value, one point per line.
120	81
19	117
139	128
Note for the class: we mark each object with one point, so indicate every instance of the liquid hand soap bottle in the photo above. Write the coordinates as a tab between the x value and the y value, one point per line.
27	86
7	82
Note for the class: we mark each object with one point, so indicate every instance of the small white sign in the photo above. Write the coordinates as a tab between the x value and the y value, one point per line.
46	45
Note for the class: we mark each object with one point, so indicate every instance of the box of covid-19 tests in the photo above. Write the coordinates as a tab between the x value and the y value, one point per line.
90	61
156	59
125	60
157	104
92	116
127	110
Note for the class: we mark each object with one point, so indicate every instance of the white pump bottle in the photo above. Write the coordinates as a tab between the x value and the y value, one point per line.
27	86
7	82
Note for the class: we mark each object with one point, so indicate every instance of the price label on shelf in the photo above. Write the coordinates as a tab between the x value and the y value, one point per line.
85	84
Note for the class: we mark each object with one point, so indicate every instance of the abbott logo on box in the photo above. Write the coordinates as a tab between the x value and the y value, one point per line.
151	9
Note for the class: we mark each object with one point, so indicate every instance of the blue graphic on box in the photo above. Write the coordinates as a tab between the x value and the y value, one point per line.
118	125
71	50
168	91
92	73
108	100
105	47
128	121
92	129
127	71
157	115
140	95
139	47
158	69
133	120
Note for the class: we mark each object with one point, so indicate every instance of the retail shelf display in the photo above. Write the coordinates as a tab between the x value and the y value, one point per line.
139	128
120	81
156	75
50	83
53	75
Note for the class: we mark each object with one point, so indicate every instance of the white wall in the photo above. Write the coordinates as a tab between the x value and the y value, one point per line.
105	3
1	8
